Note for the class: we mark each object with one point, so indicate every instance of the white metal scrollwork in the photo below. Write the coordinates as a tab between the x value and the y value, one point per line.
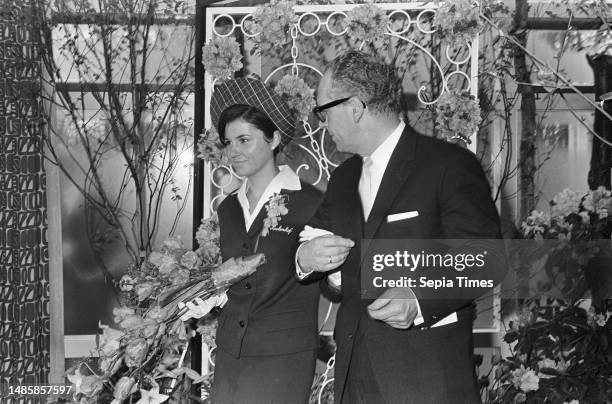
323	17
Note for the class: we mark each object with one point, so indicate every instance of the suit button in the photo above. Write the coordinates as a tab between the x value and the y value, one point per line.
350	336
245	246
241	323
247	285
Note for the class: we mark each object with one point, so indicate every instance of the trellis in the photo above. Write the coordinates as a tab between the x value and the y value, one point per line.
416	17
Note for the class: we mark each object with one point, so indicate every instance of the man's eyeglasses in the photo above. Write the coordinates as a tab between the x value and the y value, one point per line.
318	111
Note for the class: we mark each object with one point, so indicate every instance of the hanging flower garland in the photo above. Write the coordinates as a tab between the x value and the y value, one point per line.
457	116
221	57
458	21
273	21
297	94
366	23
210	148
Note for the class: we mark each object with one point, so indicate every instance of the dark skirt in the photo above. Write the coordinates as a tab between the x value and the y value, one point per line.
282	379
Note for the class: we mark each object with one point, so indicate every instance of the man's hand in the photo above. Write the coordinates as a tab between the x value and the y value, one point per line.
324	253
396	307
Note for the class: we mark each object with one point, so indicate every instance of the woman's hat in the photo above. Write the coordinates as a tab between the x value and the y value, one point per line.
256	94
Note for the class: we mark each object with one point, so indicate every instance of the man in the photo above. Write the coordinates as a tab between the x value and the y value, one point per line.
390	349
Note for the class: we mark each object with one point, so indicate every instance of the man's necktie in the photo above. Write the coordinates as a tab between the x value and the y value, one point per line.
365	187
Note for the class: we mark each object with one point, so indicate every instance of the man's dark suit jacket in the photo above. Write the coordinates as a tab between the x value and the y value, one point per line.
269	312
448	188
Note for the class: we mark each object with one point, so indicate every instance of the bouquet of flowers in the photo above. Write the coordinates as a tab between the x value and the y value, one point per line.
146	348
560	354
572	242
560	343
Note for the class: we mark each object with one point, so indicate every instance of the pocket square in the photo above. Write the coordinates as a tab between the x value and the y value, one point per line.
402	216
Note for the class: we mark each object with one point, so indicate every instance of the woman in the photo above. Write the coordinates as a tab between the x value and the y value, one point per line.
267	332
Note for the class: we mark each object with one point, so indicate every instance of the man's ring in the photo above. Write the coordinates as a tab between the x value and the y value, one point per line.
330	259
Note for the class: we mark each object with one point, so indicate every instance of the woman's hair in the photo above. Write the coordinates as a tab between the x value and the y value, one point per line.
250	114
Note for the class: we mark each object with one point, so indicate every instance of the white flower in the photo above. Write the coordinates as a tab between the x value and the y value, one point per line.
190	260
584	216
156	313
536	223
598	201
126	283
562	366
130	321
168	267
124	387
88	385
144	290
156	258
149	328
525	379
562	228
135	352
152	396
110	364
173	243
110	340
122	312
548	363
179	277
566	202
164	261
599	319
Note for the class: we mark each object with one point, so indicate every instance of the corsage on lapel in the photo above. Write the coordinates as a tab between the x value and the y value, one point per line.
276	207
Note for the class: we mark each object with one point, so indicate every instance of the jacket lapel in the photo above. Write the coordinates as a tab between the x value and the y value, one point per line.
257	224
236	217
350	222
397	171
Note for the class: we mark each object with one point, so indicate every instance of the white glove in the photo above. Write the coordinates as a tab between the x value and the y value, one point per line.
311	232
198	308
335	279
